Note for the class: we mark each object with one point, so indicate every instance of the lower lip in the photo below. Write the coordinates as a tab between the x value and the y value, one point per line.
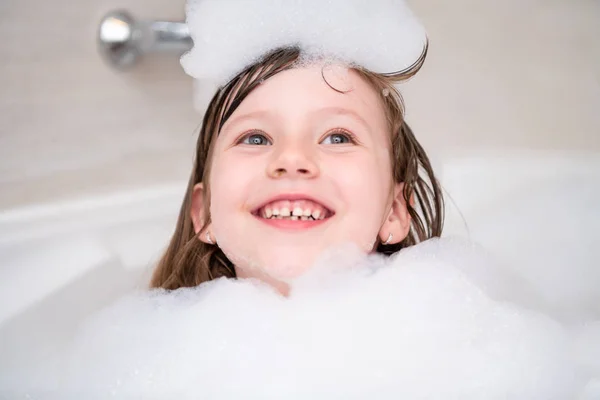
289	224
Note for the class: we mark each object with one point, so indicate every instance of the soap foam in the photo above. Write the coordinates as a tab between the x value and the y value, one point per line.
438	320
380	35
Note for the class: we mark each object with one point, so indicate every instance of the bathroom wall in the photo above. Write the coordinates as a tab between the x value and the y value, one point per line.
521	74
509	74
71	126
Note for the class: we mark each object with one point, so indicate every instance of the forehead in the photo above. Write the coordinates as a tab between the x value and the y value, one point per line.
299	91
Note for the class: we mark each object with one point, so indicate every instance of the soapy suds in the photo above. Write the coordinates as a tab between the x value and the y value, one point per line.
230	35
438	320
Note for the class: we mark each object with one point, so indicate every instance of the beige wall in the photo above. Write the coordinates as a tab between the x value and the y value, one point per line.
497	75
69	124
511	73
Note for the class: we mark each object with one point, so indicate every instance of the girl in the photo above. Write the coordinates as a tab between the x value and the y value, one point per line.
292	159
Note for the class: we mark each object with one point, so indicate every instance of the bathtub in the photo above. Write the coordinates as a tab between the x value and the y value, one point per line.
62	262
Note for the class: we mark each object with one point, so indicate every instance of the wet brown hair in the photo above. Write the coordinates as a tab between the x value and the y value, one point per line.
188	261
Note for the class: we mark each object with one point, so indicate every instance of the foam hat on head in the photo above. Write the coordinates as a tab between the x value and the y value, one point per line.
380	35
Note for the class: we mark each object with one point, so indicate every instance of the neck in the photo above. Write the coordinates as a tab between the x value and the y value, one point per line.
282	287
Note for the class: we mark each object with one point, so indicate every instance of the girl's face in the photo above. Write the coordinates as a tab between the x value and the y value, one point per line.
299	168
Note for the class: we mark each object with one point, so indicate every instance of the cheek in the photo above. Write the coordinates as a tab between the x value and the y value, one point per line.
365	182
228	186
231	182
224	206
364	187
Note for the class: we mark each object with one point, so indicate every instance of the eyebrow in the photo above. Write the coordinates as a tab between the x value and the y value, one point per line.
325	110
244	117
345	112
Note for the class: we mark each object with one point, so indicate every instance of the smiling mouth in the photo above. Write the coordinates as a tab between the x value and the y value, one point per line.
293	210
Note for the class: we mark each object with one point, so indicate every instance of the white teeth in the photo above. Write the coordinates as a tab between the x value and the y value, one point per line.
294	210
316	214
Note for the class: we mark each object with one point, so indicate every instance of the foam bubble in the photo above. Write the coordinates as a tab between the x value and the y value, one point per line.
381	35
419	324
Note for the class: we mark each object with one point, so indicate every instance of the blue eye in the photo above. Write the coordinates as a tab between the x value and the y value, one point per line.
338	137
256	139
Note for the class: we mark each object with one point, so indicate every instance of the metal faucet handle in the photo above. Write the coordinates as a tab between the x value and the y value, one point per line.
122	40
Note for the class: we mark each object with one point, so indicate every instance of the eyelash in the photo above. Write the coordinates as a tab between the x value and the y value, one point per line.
337	131
340	131
252	133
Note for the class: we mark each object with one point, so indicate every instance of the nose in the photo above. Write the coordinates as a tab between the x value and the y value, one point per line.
293	160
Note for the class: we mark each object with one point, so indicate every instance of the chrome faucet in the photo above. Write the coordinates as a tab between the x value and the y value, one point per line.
122	40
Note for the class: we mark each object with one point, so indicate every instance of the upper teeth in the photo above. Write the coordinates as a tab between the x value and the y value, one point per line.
302	209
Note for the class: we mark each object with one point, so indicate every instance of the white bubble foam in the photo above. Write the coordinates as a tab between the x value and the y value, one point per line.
381	35
421	324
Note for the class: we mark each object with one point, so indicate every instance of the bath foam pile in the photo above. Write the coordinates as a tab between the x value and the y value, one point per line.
381	35
230	35
421	326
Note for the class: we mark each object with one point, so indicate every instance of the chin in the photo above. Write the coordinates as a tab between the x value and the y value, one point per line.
289	265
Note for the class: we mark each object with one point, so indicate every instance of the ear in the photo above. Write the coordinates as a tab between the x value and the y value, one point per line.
197	212
398	219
